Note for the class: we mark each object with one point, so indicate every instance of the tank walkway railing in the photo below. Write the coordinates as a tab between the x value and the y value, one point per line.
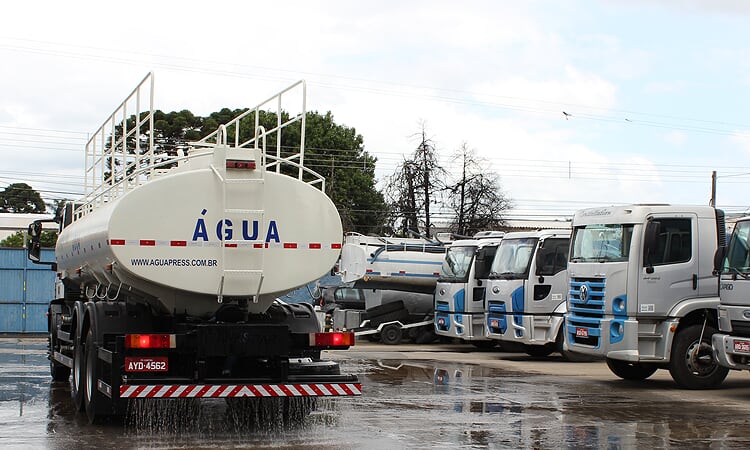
121	155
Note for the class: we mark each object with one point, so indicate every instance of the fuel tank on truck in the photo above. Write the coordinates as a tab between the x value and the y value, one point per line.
213	224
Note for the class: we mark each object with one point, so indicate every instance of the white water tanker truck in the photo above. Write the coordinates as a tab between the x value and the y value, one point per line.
170	266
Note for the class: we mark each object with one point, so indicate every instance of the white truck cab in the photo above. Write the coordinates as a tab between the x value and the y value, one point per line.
527	289
460	290
642	293
732	344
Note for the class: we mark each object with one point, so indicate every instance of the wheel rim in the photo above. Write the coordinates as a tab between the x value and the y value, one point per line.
699	359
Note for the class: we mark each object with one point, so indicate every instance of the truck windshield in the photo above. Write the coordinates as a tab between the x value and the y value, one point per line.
513	258
457	263
601	243
738	253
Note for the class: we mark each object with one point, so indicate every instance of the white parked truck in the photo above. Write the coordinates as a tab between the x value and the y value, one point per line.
170	266
732	343
642	293
460	290
527	290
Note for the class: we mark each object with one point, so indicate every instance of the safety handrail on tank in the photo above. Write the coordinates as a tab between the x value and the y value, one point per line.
122	155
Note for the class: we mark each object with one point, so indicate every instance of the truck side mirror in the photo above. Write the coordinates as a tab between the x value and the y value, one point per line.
650	239
33	246
719	256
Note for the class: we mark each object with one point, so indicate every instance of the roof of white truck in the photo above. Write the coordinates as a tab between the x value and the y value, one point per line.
540	234
636	213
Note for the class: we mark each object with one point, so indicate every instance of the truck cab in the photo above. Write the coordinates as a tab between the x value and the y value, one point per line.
732	344
527	290
642	293
461	289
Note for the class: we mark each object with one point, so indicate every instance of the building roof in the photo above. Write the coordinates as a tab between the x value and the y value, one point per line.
11	223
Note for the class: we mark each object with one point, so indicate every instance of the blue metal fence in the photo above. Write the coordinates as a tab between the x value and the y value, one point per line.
25	291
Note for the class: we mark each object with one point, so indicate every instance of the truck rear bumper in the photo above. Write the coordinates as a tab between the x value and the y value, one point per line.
731	351
241	390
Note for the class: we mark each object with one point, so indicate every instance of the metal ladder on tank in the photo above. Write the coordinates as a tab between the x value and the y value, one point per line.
231	210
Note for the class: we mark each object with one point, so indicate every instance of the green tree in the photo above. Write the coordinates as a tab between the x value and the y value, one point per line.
334	151
21	198
48	239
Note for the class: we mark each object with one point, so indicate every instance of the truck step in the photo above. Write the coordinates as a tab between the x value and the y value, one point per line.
650	336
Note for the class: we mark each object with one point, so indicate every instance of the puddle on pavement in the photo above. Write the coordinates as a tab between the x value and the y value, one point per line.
405	404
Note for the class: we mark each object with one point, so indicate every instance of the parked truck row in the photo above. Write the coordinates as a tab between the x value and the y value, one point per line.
632	285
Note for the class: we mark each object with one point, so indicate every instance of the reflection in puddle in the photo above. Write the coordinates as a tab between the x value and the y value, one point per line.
405	404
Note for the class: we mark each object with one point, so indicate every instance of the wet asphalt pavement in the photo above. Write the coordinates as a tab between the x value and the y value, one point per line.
414	397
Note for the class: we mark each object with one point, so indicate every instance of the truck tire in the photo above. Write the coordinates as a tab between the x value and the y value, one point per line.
692	364
391	334
94	401
630	370
538	351
58	371
77	380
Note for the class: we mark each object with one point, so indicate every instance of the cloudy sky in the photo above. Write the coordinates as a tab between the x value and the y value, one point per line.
574	103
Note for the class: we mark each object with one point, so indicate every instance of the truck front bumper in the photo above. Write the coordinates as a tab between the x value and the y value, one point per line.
731	351
609	337
461	325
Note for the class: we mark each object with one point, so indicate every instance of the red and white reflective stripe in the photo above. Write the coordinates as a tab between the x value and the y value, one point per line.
228	244
240	390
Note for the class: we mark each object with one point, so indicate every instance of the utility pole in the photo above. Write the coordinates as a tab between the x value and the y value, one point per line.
713	189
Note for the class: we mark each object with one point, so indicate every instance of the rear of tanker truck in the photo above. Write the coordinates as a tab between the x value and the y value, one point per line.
170	267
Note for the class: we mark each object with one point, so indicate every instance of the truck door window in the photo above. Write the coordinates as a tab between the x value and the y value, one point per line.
738	253
557	258
674	242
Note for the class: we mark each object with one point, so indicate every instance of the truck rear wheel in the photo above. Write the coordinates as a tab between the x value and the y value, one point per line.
79	363
630	370
692	364
94	401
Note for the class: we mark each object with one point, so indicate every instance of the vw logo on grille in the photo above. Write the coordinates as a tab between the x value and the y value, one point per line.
584	293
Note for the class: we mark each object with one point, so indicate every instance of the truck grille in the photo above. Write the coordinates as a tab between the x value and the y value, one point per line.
586	310
741	328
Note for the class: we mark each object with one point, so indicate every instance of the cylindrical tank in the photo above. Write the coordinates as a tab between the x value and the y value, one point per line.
201	232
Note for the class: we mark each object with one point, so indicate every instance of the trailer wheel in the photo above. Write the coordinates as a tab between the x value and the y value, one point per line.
630	370
94	400
692	365
79	364
391	334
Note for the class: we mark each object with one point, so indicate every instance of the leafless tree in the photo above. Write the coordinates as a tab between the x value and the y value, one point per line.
415	186
476	199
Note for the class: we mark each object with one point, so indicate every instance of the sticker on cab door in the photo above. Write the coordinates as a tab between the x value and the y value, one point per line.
648	308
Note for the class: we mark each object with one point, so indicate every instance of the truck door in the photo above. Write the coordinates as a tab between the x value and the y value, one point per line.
547	294
669	269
